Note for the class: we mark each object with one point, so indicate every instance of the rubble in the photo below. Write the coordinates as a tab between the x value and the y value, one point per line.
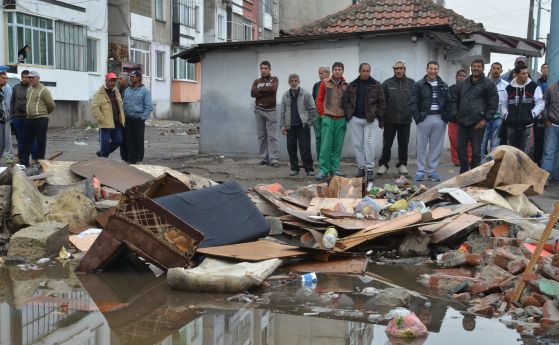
38	241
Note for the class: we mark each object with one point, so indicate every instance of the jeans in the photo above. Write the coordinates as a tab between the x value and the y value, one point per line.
299	136
491	135
317	133
550	149
110	139
539	133
34	129
466	135
362	136
135	128
388	135
519	137
17	125
267	132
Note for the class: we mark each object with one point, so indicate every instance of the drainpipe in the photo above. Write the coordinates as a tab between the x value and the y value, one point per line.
553	48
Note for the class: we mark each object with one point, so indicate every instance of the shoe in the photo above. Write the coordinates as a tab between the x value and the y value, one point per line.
320	177
382	170
274	164
403	170
419	176
456	164
370	175
338	173
263	162
98	153
434	177
310	173
360	172
294	173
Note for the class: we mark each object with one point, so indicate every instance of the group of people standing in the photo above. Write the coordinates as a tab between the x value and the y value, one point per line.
26	108
121	112
482	112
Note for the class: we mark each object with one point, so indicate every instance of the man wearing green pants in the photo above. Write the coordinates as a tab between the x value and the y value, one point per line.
323	73
330	106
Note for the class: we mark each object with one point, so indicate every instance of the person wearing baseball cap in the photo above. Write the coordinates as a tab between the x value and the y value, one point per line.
137	109
108	111
397	118
39	105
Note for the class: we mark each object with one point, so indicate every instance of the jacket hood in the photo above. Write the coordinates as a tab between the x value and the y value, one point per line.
514	83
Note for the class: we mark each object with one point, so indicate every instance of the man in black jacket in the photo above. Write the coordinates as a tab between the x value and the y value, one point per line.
397	119
363	103
430	108
475	103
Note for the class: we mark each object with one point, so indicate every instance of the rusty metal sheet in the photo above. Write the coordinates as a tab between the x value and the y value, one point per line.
117	175
351	265
254	251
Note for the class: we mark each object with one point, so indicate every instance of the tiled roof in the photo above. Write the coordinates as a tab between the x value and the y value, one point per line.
372	15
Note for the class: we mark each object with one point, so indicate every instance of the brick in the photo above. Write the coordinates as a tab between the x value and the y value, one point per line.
444	282
458	272
517	266
456	259
555	260
462	297
494	273
39	241
109	193
484	230
534	299
485	287
501	230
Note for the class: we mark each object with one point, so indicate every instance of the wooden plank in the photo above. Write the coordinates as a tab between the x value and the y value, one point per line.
352	224
458	224
514	189
254	251
349	205
299	202
437	226
389	226
343	187
274	199
459	195
351	265
468	178
536	255
336	214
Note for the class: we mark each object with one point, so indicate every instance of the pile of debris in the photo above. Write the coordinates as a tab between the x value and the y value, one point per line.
481	227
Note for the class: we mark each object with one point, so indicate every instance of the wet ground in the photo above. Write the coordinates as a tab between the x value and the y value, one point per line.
48	304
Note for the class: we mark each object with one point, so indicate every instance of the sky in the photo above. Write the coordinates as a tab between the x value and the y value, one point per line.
509	17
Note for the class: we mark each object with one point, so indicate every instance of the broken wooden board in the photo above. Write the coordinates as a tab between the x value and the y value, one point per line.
468	178
460	223
117	175
298	202
83	243
335	214
459	195
390	226
349	265
284	207
514	189
430	228
348	204
489	196
265	207
352	224
254	251
343	187
508	216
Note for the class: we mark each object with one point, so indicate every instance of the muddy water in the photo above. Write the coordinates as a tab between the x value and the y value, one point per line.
48	304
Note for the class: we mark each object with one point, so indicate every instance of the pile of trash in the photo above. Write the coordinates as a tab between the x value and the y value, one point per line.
480	227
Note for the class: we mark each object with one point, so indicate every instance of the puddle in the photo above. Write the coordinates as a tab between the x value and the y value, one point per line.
51	305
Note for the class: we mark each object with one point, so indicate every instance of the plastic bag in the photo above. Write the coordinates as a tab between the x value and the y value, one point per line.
406	326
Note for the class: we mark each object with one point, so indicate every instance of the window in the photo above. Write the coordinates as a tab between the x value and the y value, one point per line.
268	6
159	14
221	26
242	29
36	32
159	65
139	53
186	13
183	70
71	47
92	55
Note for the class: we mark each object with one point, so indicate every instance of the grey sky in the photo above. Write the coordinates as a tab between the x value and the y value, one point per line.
509	17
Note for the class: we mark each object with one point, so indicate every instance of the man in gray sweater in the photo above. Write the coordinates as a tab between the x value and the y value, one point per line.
550	116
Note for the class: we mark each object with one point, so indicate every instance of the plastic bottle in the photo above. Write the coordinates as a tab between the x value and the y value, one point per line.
330	237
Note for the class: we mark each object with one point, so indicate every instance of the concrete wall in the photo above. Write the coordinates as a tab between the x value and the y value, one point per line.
227	119
296	13
161	87
119	21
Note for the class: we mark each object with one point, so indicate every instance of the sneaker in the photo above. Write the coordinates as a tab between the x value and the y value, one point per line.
98	153
370	175
264	162
434	177
360	172
294	173
419	176
320	177
382	170
403	170
338	173
310	173
274	164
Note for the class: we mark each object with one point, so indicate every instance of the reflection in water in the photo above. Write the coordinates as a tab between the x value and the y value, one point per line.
53	306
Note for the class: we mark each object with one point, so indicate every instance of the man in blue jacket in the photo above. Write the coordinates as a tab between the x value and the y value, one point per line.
137	109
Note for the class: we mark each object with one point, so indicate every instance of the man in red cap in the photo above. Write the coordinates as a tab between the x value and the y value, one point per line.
107	110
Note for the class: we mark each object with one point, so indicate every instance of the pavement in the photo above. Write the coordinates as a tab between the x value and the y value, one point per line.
175	145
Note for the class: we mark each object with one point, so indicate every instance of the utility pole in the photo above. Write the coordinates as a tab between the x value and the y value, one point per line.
553	49
538	25
530	34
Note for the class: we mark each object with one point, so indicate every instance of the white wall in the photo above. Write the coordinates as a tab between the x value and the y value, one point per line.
97	28
5	324
47	10
161	88
141	27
